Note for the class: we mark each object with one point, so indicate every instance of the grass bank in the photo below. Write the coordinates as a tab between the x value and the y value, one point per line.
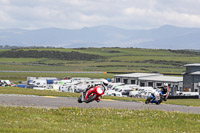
77	120
25	91
187	102
114	60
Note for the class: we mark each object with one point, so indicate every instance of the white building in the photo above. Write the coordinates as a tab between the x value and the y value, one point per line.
132	78
175	83
151	80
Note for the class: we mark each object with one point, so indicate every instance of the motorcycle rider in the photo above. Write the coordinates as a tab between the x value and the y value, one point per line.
164	90
103	86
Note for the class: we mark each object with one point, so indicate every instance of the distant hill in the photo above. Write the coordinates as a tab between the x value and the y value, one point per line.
165	37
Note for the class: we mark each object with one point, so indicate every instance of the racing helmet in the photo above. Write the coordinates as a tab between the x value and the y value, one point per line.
165	85
105	82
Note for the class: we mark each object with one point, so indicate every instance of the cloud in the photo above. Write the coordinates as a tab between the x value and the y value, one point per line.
29	14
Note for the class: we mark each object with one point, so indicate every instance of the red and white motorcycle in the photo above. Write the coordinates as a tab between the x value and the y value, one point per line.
94	93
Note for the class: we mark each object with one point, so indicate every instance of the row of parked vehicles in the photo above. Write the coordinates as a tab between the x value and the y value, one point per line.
64	85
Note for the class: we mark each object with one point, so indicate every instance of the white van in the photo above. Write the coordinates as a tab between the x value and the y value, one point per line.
39	83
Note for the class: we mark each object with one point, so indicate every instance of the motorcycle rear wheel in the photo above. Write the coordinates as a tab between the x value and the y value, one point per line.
165	99
90	98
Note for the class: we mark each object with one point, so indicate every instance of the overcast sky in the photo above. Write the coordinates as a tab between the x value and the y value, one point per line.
73	14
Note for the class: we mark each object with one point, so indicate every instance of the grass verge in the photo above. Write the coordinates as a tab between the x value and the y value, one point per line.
187	102
78	120
25	91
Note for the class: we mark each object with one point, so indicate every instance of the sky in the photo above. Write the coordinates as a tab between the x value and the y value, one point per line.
76	14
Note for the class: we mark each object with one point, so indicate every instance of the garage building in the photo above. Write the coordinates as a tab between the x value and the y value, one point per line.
191	78
151	80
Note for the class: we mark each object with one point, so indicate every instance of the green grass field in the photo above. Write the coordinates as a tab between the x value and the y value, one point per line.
26	91
77	120
187	102
116	60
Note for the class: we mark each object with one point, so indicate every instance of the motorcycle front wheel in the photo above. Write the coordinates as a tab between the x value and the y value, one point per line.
79	99
90	98
158	103
148	100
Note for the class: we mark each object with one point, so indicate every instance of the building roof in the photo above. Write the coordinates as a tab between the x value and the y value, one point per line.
137	75
195	64
163	78
195	73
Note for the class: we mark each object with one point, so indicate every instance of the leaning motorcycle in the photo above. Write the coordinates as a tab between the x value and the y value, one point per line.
155	97
92	94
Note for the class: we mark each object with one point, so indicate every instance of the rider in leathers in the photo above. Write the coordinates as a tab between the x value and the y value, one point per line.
103	87
164	90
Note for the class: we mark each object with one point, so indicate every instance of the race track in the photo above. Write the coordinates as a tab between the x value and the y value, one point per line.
56	102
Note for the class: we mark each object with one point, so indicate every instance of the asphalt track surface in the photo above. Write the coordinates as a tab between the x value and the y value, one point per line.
56	102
